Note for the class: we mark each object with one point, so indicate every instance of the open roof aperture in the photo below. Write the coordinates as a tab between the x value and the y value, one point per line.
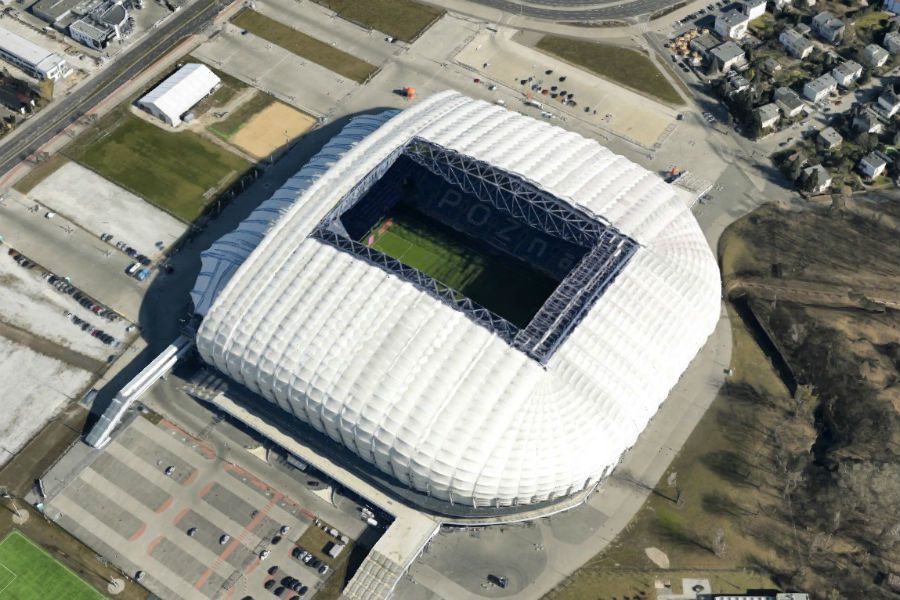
513	258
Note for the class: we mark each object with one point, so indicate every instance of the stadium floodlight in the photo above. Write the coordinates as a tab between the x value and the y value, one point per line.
485	307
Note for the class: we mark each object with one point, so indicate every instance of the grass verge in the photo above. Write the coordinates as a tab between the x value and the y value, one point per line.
40	173
239	117
303	45
27	571
314	540
621	65
402	19
177	171
228	89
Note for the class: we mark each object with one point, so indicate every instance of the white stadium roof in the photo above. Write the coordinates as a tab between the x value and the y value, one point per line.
415	386
179	92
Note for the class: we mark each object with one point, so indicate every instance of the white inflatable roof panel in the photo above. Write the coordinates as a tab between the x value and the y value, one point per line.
415	387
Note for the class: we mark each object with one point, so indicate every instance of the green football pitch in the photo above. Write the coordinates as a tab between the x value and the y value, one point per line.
28	572
507	287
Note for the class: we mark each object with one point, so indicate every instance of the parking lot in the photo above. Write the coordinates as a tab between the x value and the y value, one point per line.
161	501
595	101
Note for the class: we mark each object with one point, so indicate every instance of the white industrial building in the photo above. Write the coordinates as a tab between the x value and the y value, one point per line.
179	93
31	58
439	394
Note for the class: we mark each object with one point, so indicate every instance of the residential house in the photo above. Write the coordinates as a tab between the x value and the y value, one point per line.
768	115
736	83
819	88
788	101
795	43
847	73
754	9
823	178
874	56
732	24
891	41
892	6
867	121
771	66
828	27
829	138
728	56
872	165
888	103
780	5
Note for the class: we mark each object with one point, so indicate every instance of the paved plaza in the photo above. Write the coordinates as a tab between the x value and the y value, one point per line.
125	506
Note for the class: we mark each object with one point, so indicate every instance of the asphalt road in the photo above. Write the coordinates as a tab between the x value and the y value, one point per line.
577	11
68	109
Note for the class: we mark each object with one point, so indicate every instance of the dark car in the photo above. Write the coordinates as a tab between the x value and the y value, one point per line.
272	570
276	540
278	591
269	584
296	552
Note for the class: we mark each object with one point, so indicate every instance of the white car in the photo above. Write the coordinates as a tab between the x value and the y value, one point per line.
170	470
224	539
264	554
284	529
50	215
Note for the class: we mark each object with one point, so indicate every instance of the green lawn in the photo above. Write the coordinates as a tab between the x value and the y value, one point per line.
303	45
871	19
178	171
231	124
228	89
621	65
509	288
27	572
402	19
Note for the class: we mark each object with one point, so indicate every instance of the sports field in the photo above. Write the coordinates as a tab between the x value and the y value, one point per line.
507	287
28	572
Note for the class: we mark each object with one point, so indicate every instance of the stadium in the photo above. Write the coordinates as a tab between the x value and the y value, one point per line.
484	307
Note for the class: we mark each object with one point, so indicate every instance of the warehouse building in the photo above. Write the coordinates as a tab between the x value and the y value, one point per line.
445	390
179	93
31	58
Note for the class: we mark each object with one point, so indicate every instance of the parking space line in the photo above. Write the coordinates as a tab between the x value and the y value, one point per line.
152	545
204	448
138	533
165	505
205	489
238	541
181	515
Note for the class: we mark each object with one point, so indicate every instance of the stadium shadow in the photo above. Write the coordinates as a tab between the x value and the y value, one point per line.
166	308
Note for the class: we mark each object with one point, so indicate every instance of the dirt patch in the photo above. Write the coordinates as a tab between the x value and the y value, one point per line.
274	127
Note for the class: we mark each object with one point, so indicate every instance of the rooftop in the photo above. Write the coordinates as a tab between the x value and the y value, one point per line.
848	68
830	135
824	82
767	112
727	51
733	17
27	50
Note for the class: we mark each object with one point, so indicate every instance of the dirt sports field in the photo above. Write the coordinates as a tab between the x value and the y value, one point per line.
271	129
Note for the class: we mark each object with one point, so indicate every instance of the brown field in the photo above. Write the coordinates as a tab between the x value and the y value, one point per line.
275	126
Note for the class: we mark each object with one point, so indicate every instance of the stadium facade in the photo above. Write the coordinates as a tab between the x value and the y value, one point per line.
445	391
